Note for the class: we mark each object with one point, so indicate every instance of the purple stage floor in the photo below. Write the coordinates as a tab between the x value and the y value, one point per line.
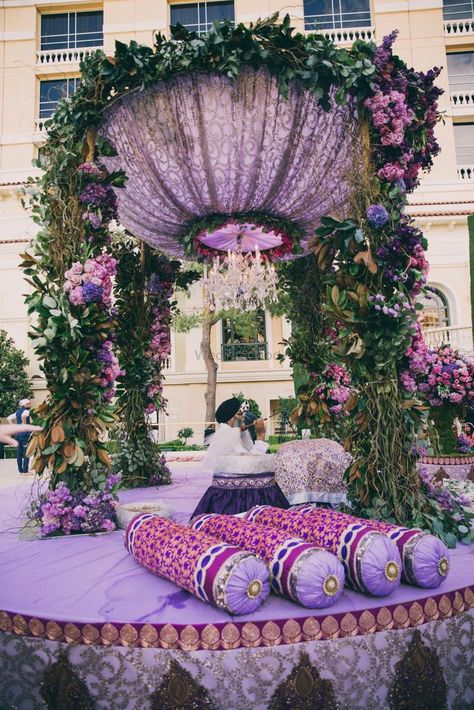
92	581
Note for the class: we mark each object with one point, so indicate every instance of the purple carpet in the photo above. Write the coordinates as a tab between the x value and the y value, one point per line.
93	578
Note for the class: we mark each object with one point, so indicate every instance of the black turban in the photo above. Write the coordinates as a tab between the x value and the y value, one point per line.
227	410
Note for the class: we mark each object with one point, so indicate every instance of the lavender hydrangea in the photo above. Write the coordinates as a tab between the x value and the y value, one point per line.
377	216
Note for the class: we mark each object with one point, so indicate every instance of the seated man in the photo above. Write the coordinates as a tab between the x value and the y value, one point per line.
242	470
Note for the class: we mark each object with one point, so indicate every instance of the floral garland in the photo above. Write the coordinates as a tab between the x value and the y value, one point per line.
441	376
160	292
453	504
290	235
403	112
324	402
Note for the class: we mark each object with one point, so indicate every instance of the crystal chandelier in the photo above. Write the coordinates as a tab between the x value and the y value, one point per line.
240	281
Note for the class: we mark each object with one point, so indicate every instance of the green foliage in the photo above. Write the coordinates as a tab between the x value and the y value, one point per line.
254	408
185	433
300	282
139	461
14	382
442	418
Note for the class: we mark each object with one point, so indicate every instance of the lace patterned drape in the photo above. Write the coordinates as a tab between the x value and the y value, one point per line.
202	143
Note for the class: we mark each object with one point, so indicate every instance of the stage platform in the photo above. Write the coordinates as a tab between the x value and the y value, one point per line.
121	627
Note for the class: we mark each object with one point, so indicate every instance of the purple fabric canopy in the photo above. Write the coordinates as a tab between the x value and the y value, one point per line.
247	237
202	143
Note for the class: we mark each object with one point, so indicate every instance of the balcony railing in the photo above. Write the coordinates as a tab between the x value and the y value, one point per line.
45	57
458	338
244	351
466	172
454	28
463	99
348	35
39	124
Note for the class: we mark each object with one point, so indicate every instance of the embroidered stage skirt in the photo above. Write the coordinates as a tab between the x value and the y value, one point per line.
236	493
370	559
425	558
217	573
299	570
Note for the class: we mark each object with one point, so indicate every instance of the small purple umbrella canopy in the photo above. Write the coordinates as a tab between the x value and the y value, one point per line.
203	144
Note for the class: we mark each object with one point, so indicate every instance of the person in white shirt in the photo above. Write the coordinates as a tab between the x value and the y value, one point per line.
243	473
229	438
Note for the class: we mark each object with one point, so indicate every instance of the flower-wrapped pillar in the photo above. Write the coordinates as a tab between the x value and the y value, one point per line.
144	290
71	272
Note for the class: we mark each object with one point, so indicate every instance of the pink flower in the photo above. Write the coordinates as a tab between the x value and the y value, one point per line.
76	296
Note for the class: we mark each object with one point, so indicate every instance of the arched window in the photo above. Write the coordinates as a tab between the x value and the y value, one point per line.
435	313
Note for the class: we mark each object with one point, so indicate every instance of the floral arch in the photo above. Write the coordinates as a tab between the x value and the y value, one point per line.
255	124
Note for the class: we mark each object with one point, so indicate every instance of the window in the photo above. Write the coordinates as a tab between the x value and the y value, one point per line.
71	30
52	91
461	71
435	313
464	140
199	16
336	14
458	10
247	342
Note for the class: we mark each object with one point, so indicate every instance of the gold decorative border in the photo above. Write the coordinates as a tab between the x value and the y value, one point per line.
225	636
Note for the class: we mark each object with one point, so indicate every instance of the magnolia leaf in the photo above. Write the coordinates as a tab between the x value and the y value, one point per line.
335	295
80	458
62	467
351	402
57	433
365	257
358	346
103	456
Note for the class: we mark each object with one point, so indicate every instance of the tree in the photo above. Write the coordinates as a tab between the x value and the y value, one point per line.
207	319
185	434
14	382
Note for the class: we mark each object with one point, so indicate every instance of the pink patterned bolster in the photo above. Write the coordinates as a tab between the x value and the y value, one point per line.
220	574
299	570
371	560
425	558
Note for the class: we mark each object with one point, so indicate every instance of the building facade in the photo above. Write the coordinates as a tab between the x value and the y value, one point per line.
41	45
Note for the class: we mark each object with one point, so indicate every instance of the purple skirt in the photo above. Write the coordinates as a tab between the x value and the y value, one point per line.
230	494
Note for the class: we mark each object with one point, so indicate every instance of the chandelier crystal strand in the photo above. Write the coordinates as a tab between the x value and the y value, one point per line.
243	281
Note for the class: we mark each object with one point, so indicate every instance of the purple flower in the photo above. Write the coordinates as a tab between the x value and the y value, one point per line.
93	218
112	481
89	169
93	194
92	293
377	216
